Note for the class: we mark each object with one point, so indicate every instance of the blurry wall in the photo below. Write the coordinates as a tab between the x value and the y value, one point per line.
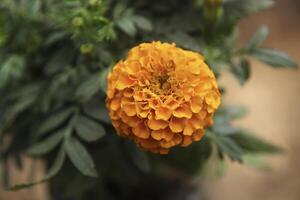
273	98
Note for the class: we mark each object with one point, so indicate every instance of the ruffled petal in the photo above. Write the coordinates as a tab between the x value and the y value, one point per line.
141	131
177	124
183	111
157	124
163	113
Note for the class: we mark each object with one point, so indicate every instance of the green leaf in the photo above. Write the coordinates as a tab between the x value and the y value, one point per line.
47	144
58	163
34	7
241	71
89	130
142	23
139	157
185	40
238	9
127	25
89	87
119	10
54	121
230	147
255	161
103	79
252	144
12	68
80	157
188	160
107	32
98	111
274	58
59	60
215	167
23	103
224	128
258	38
55	37
232	112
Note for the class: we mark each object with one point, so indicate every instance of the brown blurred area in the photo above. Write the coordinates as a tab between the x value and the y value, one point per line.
272	96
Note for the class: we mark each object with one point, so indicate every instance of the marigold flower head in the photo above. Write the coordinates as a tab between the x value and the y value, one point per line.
162	96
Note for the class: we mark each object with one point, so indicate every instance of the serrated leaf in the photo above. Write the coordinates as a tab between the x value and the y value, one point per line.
59	60
241	71
20	106
55	37
98	111
51	173
224	128
255	161
127	25
35	7
258	38
80	157
107	32
89	87
53	121
119	9
23	103
142	23
239	9
47	144
185	40
88	129
139	157
252	144
229	147
103	79
214	167
12	68
274	58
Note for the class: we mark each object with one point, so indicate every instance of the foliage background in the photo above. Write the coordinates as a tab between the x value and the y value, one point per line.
266	113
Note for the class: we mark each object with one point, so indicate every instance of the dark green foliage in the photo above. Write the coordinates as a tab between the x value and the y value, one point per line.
54	58
80	157
274	58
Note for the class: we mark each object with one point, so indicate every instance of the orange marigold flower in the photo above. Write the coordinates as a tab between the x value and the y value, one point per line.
162	96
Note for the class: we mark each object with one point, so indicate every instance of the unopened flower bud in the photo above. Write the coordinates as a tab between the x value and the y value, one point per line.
94	2
86	48
77	21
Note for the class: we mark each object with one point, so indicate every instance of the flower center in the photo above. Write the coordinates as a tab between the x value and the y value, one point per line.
163	81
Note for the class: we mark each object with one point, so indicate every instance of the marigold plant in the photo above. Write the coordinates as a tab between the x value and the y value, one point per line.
66	94
162	96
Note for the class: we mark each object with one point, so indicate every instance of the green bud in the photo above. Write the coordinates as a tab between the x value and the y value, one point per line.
94	2
86	48
77	21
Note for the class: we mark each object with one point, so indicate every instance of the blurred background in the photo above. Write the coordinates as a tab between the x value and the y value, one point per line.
272	97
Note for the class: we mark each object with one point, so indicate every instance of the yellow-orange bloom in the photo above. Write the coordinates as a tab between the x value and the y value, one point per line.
162	96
